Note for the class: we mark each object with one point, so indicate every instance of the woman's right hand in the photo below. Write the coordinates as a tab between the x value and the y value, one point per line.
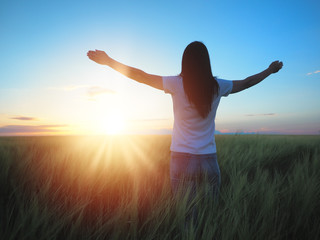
98	56
275	66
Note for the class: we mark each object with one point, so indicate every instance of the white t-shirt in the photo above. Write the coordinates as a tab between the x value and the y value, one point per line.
192	133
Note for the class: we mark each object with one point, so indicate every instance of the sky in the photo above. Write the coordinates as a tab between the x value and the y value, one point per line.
50	87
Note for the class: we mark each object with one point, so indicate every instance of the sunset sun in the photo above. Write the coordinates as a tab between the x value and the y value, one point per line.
113	124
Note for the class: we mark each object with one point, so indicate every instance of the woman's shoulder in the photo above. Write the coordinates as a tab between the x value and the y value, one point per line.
225	86
173	78
172	84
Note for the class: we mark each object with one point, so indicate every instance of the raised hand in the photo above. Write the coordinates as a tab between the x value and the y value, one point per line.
275	66
98	56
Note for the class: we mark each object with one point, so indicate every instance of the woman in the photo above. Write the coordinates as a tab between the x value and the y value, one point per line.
196	95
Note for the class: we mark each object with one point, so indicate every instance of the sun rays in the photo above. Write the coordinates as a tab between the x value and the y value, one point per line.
126	153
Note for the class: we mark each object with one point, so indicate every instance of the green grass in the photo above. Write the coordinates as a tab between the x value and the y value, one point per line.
119	188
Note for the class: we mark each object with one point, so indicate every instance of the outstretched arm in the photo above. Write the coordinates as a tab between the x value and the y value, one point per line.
136	74
255	79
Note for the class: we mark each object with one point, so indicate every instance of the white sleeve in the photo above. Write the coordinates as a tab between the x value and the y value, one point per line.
169	84
225	87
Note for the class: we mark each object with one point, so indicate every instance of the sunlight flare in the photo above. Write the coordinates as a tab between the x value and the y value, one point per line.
113	123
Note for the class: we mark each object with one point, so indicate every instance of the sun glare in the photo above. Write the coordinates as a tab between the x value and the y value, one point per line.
113	124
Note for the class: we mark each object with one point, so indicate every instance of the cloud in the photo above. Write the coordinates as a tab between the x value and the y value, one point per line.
91	90
25	118
69	87
74	87
95	90
261	114
152	131
315	72
16	129
150	120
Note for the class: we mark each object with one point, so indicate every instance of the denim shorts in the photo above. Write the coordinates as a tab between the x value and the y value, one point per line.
189	171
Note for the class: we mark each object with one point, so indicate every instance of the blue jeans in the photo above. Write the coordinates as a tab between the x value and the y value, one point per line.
189	172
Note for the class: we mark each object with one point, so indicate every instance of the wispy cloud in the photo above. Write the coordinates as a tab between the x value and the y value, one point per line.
261	114
25	129
152	131
150	120
69	87
96	90
315	72
74	87
90	91
23	118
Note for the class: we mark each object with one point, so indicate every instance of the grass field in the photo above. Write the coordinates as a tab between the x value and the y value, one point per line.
119	188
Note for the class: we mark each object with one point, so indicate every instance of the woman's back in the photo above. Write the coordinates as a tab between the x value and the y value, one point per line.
191	132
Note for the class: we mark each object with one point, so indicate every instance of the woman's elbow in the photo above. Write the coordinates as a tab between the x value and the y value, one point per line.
239	85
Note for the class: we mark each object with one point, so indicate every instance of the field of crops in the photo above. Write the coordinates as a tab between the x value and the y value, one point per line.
119	188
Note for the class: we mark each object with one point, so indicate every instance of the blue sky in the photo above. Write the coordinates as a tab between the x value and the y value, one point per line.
48	86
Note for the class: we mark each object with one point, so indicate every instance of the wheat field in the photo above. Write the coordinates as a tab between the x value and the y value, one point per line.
118	187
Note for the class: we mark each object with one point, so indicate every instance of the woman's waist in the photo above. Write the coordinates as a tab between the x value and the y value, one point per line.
197	155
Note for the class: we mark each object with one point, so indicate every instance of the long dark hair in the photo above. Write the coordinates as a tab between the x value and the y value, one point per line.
199	84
